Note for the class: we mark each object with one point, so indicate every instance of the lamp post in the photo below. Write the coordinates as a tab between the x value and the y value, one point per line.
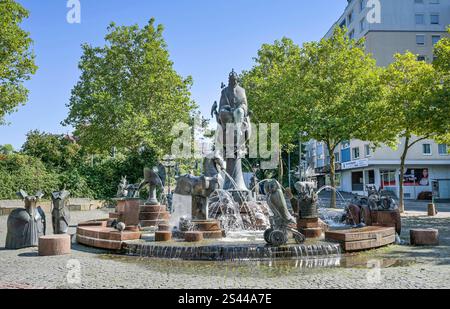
168	162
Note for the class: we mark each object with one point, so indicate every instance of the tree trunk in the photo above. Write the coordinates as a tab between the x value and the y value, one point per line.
332	178
402	176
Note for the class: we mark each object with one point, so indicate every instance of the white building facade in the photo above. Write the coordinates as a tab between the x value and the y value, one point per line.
402	25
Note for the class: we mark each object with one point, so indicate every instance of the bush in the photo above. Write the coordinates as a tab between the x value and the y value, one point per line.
27	173
98	180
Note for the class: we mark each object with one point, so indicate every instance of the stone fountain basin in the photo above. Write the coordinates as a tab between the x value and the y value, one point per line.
228	249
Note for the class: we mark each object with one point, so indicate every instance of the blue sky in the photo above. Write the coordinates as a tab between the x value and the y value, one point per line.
206	39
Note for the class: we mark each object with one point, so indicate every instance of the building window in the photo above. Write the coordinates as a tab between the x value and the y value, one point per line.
337	157
443	150
420	39
361	5
418	1
435	39
421	58
362	25
356	153
426	150
434	1
352	35
367	150
350	18
434	19
358	181
388	178
343	23
420	19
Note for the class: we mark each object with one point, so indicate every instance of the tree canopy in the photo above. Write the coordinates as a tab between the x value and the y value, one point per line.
329	91
413	92
129	95
16	58
442	65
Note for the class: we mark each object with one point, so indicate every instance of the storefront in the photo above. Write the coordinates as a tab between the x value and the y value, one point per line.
418	180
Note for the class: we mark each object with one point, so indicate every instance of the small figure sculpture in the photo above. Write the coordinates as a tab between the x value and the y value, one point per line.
26	225
133	191
60	212
153	178
281	221
307	200
122	188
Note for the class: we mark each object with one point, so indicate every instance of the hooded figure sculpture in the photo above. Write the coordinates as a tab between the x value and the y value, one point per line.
60	212
25	225
281	220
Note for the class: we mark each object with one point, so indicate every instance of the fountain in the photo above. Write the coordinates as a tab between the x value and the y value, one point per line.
215	217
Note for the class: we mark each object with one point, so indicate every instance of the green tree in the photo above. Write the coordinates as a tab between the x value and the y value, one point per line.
57	151
442	65
6	149
16	58
417	114
329	91
129	94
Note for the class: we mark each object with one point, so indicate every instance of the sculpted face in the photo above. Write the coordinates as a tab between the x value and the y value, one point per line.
233	80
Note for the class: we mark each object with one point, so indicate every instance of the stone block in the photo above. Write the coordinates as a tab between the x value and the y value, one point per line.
308	223
162	236
391	218
152	208
207	225
312	233
432	211
193	236
424	237
154	215
131	212
54	245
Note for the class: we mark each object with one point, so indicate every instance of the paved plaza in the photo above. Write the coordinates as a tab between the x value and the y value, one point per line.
399	266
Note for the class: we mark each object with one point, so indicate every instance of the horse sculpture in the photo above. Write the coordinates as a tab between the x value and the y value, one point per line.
281	220
60	212
26	225
200	188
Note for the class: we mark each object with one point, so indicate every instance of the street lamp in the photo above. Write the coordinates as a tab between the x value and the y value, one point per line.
168	162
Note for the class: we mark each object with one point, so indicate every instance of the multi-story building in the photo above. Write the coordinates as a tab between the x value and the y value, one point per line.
402	25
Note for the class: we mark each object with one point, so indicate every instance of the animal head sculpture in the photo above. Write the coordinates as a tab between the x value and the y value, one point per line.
59	198
30	200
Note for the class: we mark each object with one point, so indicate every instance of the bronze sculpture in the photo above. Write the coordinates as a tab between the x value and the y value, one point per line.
60	212
200	188
26	225
153	178
122	188
281	220
232	113
307	200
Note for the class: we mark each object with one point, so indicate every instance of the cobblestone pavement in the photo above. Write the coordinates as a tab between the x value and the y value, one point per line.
401	267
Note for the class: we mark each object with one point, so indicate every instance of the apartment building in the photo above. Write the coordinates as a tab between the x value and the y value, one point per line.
390	27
